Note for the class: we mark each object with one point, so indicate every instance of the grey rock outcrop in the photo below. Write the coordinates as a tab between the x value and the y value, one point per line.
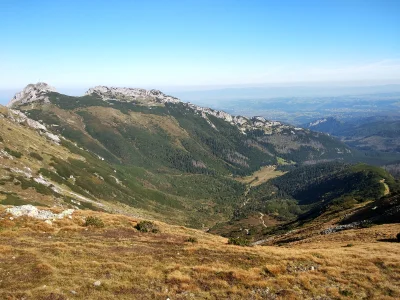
32	93
33	212
130	94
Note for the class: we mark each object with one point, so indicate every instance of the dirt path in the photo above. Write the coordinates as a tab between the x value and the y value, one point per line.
246	192
387	189
262	219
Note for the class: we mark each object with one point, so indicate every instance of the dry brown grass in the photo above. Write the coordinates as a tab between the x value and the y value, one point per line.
263	175
63	261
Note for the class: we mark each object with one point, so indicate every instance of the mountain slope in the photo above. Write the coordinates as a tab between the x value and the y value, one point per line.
38	167
150	129
68	260
305	194
166	159
373	133
142	154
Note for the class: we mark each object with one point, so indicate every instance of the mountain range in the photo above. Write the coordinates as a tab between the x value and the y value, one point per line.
147	153
154	153
128	159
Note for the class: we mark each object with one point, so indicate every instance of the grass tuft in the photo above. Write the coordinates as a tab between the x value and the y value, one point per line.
36	156
94	221
239	241
191	240
14	153
147	226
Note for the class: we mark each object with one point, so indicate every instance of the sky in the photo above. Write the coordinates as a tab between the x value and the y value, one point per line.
147	43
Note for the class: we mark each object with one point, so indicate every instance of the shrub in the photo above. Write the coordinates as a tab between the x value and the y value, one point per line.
147	226
36	156
16	154
366	224
94	221
346	293
1	139
191	240
239	241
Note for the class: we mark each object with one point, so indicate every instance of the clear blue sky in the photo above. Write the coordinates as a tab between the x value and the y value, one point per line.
183	43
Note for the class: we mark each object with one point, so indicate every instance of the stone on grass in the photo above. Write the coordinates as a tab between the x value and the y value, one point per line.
97	283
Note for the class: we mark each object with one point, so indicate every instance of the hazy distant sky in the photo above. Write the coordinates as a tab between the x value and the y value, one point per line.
70	43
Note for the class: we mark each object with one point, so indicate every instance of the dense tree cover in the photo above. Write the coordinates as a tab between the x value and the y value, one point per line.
329	181
306	192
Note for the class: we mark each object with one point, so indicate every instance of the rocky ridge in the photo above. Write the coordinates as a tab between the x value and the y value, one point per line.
32	93
130	94
318	122
19	117
243	123
37	92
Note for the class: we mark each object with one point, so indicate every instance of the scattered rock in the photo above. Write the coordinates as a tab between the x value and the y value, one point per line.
97	283
32	211
19	117
344	227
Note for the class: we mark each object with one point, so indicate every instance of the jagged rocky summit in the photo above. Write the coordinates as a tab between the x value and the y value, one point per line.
32	93
123	93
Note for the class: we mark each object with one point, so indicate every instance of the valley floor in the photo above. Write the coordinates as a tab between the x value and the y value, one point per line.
67	260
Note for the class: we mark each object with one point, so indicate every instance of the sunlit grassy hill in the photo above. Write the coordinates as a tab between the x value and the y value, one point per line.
68	260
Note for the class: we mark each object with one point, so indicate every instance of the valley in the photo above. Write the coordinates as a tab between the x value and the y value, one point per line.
200	150
194	202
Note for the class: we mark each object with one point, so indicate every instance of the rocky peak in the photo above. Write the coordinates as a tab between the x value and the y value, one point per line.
32	93
131	94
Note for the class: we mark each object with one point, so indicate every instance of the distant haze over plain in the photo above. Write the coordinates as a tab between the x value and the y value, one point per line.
209	94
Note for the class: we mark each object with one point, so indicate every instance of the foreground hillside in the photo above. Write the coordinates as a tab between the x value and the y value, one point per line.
64	259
